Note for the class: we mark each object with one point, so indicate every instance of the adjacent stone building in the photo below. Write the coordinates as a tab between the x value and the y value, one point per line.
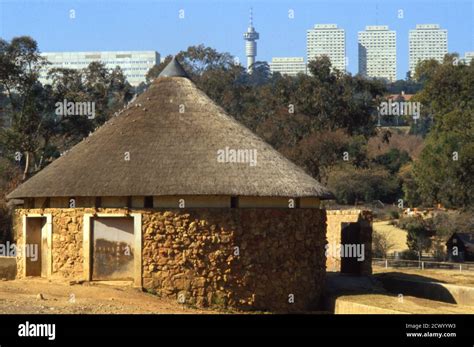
178	197
349	237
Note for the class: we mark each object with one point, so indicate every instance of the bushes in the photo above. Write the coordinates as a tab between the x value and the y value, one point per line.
395	214
409	255
393	160
351	184
381	244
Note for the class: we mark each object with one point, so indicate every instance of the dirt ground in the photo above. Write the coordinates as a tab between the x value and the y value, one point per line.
41	296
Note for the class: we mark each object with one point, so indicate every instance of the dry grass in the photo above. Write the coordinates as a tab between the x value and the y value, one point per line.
395	235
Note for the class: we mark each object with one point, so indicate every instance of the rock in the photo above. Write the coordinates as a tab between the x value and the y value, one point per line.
40	296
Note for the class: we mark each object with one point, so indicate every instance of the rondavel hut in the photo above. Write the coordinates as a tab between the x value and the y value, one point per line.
182	200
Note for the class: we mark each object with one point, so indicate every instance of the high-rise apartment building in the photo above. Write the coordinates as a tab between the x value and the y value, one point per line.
329	40
427	41
378	52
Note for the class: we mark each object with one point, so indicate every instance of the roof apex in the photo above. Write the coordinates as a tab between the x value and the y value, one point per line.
173	69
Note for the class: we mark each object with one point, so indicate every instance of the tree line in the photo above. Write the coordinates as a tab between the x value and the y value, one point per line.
325	121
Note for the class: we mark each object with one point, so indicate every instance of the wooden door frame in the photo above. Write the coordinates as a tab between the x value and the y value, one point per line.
137	232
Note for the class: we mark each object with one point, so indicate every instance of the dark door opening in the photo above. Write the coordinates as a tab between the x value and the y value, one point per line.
350	239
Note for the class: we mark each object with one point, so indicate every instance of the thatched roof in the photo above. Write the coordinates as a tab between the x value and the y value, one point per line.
171	153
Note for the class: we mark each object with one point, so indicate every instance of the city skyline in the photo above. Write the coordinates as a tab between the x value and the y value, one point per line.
287	39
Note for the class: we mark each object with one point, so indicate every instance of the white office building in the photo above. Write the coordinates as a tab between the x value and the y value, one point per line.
290	66
378	52
468	57
329	40
134	64
427	41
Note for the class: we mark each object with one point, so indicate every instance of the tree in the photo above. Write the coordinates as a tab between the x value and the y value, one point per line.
108	90
411	197
393	160
20	64
352	185
418	236
381	244
443	172
34	134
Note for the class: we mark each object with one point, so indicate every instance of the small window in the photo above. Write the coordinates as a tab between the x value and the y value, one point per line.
98	202
148	202
234	202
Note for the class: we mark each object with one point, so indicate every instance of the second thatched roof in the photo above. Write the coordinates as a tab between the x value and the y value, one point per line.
171	137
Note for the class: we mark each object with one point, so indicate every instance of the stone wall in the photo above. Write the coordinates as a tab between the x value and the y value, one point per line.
8	268
257	259
335	218
264	259
67	236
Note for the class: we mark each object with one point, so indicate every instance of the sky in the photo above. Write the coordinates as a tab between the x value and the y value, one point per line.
107	25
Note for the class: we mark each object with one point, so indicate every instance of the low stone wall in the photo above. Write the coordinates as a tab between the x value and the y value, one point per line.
335	218
343	306
450	293
259	259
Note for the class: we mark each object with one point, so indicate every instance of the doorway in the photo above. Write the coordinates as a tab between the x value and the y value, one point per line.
350	236
113	254
36	250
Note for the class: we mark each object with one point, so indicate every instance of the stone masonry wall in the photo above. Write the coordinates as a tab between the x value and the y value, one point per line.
256	259
265	259
67	252
335	218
